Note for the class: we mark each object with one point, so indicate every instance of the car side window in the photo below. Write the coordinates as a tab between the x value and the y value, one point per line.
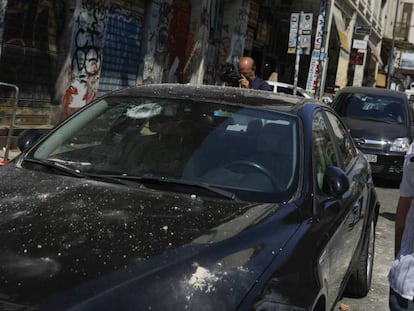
346	148
323	152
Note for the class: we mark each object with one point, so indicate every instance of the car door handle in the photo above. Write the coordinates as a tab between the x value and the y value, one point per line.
356	207
356	213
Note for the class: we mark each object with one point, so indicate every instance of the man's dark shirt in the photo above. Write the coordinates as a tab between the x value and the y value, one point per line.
260	84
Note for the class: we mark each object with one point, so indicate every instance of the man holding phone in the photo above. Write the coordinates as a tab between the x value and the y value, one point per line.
248	78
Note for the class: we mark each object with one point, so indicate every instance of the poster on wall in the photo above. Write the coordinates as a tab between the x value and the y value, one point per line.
293	33
357	58
317	54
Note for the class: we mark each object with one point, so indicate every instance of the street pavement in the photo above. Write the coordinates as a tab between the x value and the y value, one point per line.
377	298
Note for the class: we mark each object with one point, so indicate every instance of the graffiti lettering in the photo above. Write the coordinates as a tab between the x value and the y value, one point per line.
87	55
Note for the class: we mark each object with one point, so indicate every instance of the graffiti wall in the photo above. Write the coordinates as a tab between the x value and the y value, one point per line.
234	31
198	42
122	49
157	28
177	41
86	56
68	52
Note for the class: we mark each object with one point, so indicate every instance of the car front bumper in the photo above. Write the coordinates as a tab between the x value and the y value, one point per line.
385	165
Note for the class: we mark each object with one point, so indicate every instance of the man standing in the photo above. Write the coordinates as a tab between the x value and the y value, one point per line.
249	80
401	275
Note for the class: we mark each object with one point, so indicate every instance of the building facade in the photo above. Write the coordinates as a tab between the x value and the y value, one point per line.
398	43
62	54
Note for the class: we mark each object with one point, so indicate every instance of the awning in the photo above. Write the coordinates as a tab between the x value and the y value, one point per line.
340	26
374	53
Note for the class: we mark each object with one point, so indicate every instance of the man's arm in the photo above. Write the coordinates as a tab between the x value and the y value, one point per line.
403	206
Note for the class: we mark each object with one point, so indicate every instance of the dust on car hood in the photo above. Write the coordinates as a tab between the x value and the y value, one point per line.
92	243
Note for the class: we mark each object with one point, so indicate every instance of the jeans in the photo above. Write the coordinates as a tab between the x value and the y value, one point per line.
397	303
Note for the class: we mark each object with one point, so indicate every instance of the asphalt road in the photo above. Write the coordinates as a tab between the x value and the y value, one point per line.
377	299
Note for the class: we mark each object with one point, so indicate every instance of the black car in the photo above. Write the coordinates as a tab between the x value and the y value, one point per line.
381	123
179	197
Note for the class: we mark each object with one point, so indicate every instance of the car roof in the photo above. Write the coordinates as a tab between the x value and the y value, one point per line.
227	95
372	91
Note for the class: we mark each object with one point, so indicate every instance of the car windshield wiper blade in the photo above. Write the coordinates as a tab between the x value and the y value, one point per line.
163	180
56	166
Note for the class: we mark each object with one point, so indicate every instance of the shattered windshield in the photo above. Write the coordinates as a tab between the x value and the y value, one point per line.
250	152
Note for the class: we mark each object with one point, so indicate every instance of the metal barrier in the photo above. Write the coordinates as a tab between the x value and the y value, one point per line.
12	122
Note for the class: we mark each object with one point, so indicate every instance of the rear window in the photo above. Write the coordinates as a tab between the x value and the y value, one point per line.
371	107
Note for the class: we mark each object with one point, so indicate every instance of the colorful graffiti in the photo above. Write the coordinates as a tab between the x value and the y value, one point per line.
177	40
234	32
122	48
89	32
156	56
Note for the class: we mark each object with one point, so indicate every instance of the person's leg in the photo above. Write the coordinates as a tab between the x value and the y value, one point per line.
398	303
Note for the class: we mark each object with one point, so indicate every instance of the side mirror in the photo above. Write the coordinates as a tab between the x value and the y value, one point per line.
27	138
335	182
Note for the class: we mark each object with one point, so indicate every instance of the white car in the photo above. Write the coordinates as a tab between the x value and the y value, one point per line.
281	87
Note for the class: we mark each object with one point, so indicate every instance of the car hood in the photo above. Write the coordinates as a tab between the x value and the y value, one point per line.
376	130
70	242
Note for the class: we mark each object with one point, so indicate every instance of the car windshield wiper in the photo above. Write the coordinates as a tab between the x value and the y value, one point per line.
55	166
163	180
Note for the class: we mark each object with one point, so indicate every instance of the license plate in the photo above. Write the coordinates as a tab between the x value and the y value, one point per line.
371	158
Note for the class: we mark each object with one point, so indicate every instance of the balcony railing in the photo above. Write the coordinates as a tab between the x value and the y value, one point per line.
364	9
402	30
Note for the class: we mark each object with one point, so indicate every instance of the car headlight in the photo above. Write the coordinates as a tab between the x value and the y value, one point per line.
400	144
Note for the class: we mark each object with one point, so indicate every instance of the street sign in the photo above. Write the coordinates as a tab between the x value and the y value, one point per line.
293	32
306	23
359	44
300	33
317	54
357	58
306	37
362	29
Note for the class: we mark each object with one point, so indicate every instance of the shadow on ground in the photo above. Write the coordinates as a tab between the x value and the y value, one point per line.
388	216
386	183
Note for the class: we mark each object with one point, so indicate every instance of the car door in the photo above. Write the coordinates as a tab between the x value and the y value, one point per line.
356	168
339	216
